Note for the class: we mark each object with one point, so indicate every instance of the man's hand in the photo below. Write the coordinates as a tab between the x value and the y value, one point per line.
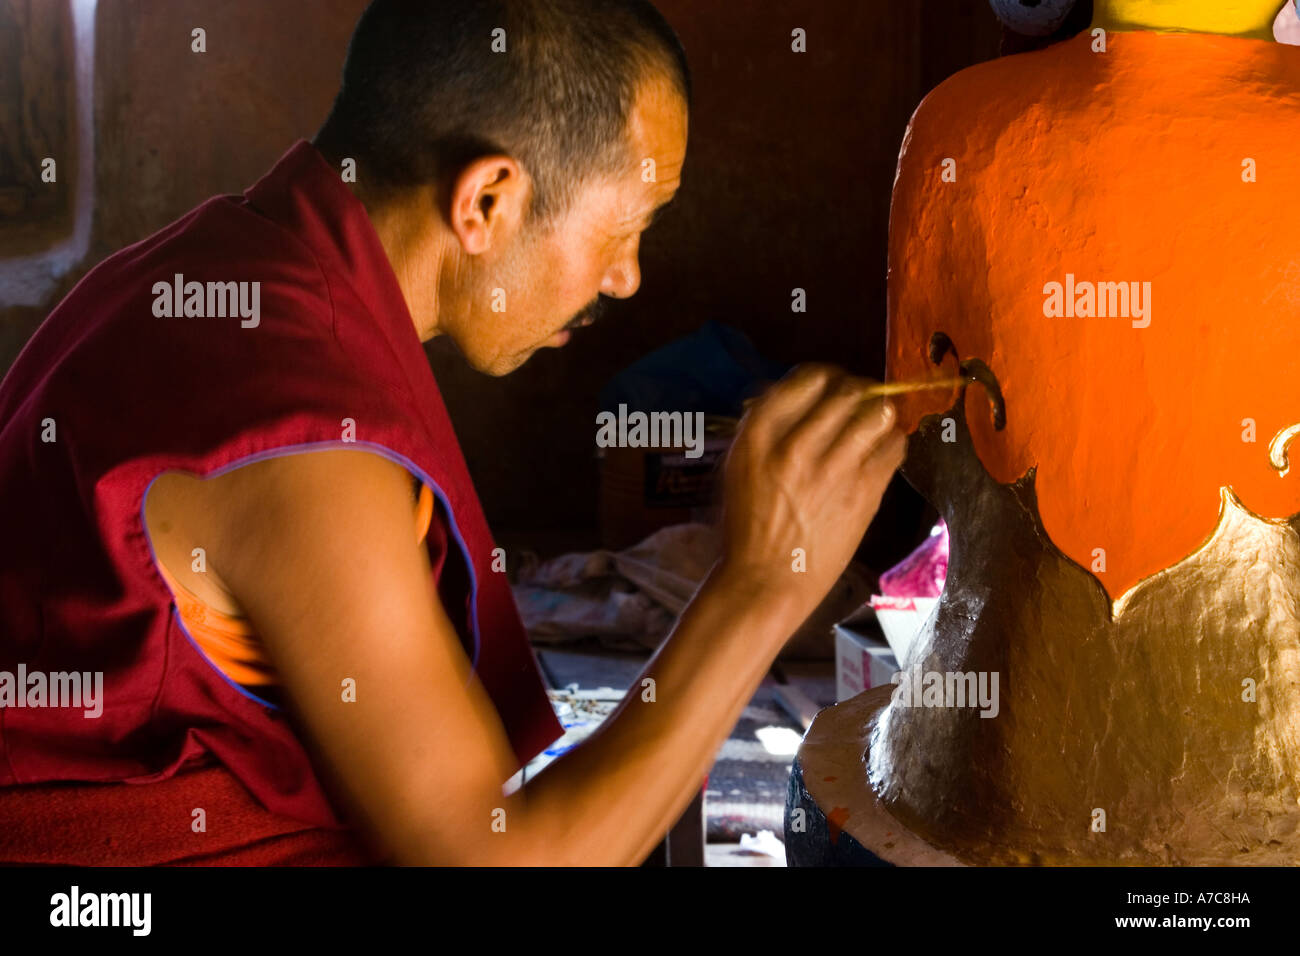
804	479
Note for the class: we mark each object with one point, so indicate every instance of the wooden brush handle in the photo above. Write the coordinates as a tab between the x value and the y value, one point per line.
902	388
899	388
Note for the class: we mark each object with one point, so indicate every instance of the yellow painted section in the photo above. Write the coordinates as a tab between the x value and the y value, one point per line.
1245	18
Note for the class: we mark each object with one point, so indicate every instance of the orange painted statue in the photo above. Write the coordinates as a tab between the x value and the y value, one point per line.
1111	225
1104	232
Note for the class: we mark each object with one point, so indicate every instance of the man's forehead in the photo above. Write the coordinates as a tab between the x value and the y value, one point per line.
656	155
657	128
650	184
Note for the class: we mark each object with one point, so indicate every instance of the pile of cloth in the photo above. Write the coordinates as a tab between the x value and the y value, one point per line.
630	599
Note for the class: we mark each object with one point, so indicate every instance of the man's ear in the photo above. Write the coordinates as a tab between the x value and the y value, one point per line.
489	201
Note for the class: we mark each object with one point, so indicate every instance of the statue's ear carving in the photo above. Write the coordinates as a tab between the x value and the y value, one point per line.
1033	18
1286	28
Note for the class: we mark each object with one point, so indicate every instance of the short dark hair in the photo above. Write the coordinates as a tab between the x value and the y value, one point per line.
423	92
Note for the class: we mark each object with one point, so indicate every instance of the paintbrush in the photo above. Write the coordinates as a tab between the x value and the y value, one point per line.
902	388
899	388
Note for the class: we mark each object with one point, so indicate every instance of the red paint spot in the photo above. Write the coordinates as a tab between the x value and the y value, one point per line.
835	822
830	779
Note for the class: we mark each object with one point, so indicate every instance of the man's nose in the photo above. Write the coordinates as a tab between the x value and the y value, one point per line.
623	278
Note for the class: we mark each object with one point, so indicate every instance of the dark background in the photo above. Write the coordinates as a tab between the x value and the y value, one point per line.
787	184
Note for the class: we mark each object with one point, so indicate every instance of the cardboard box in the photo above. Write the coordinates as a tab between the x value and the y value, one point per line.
645	489
862	660
901	619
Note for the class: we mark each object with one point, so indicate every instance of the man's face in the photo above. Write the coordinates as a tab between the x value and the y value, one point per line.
550	278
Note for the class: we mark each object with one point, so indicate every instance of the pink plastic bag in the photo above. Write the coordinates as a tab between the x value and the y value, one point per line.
923	572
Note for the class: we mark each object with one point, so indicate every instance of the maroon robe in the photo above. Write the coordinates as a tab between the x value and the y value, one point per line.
126	394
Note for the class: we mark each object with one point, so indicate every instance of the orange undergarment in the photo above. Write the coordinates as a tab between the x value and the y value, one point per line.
229	641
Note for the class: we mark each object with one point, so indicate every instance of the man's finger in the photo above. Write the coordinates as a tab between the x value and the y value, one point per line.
869	427
790	399
817	433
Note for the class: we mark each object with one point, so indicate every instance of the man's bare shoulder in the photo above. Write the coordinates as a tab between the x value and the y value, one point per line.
270	510
283	479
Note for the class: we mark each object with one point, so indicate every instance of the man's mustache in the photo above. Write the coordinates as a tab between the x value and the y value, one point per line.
589	315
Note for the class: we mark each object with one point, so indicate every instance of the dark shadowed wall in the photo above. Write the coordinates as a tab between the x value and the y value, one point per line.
786	185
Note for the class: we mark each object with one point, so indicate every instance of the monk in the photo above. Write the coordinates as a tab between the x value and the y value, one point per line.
225	530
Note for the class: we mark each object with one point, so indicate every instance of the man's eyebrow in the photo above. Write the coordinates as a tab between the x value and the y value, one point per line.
659	210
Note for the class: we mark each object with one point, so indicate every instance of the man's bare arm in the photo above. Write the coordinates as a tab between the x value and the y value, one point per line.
318	550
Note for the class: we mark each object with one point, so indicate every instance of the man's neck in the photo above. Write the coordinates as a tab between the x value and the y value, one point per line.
1243	18
414	251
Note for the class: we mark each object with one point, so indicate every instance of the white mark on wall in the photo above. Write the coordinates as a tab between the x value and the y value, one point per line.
29	280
